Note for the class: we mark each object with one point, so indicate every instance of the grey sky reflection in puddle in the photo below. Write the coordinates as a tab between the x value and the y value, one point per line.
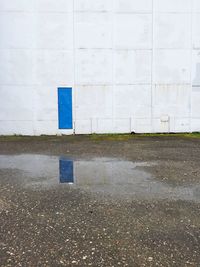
103	175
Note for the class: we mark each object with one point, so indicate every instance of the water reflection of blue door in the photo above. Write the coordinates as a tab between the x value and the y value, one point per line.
66	168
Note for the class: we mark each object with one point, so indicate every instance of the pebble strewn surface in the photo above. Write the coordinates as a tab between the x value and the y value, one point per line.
66	226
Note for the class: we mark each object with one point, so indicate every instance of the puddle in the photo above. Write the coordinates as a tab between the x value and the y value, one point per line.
100	175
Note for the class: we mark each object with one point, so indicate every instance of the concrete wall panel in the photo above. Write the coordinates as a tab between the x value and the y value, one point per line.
132	101
16	67
18	127
93	102
196	102
195	122
17	30
133	31
172	30
174	6
93	30
54	31
171	100
105	126
172	66
182	125
17	5
83	126
45	103
54	6
196	68
93	67
18	98
91	5
139	6
46	127
196	31
55	68
133	66
142	125
122	125
195	5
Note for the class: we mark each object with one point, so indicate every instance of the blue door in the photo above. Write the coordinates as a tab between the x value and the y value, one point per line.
65	108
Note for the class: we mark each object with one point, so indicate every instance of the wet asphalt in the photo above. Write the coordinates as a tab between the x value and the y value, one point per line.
130	202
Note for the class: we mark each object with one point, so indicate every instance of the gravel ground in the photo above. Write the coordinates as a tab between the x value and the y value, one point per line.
70	226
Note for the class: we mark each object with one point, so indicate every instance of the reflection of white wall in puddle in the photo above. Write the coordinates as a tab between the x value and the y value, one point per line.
107	176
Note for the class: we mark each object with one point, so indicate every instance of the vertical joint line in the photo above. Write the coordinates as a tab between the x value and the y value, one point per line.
191	63
152	65
113	58
74	68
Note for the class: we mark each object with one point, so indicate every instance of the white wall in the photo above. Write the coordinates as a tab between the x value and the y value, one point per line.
134	65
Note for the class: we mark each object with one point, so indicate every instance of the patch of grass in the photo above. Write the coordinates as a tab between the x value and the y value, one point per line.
125	137
14	138
192	135
111	137
94	137
187	135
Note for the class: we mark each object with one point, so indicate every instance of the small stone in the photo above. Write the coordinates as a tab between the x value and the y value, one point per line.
150	259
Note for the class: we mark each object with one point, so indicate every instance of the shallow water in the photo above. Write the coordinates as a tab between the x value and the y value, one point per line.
108	176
